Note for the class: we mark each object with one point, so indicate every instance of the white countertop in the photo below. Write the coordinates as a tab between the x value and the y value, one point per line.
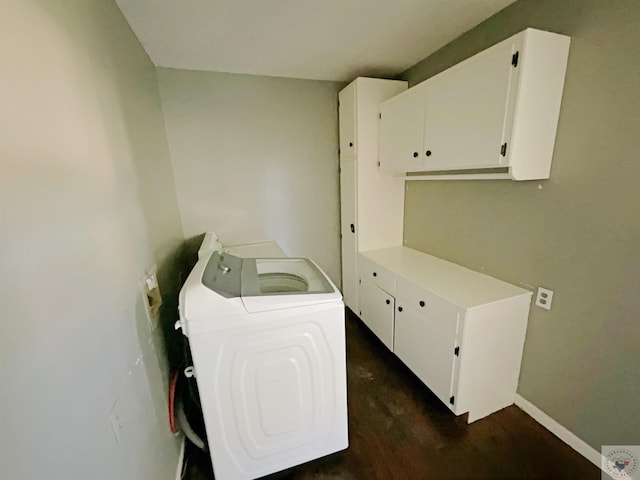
454	283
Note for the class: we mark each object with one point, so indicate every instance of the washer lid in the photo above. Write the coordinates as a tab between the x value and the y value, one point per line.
232	276
282	276
279	283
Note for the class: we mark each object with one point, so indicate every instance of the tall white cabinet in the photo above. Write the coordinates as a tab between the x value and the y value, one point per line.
372	204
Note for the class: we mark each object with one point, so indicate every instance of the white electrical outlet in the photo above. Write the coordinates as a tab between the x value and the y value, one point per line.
544	298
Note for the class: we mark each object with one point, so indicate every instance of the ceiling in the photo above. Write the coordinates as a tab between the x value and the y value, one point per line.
313	39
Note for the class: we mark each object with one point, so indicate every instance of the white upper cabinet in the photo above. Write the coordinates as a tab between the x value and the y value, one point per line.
462	127
401	132
496	110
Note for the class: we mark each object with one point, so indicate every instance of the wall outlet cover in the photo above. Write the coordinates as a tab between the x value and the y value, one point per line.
544	298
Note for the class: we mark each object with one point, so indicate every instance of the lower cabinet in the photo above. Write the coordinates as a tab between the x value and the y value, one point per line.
459	331
376	311
426	350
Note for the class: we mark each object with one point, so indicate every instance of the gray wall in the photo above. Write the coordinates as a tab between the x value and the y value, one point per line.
577	233
87	203
255	158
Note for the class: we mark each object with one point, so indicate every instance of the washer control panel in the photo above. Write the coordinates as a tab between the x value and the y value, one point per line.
223	274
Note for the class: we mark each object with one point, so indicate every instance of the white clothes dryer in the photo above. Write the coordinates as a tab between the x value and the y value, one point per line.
267	338
269	249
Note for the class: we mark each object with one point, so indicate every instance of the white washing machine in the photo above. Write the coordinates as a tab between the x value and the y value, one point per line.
267	339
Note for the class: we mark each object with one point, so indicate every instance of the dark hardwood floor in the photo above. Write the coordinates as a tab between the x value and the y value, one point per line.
399	430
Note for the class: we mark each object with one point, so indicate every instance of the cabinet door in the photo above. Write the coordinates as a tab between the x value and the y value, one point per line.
349	234
466	110
347	121
426	350
376	311
401	128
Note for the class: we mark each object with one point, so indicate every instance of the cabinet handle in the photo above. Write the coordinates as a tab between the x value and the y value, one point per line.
353	228
415	154
351	144
375	274
388	301
399	309
428	153
422	303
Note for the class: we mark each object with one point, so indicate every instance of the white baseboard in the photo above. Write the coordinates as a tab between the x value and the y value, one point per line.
579	445
180	460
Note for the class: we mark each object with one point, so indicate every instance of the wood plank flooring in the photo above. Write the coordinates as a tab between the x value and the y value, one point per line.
399	430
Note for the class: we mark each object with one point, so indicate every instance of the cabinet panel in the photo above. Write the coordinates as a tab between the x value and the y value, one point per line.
427	351
349	234
401	128
466	110
347	121
440	313
376	311
376	274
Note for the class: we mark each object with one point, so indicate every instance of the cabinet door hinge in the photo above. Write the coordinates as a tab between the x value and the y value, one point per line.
514	59
339	152
503	150
452	399
456	351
